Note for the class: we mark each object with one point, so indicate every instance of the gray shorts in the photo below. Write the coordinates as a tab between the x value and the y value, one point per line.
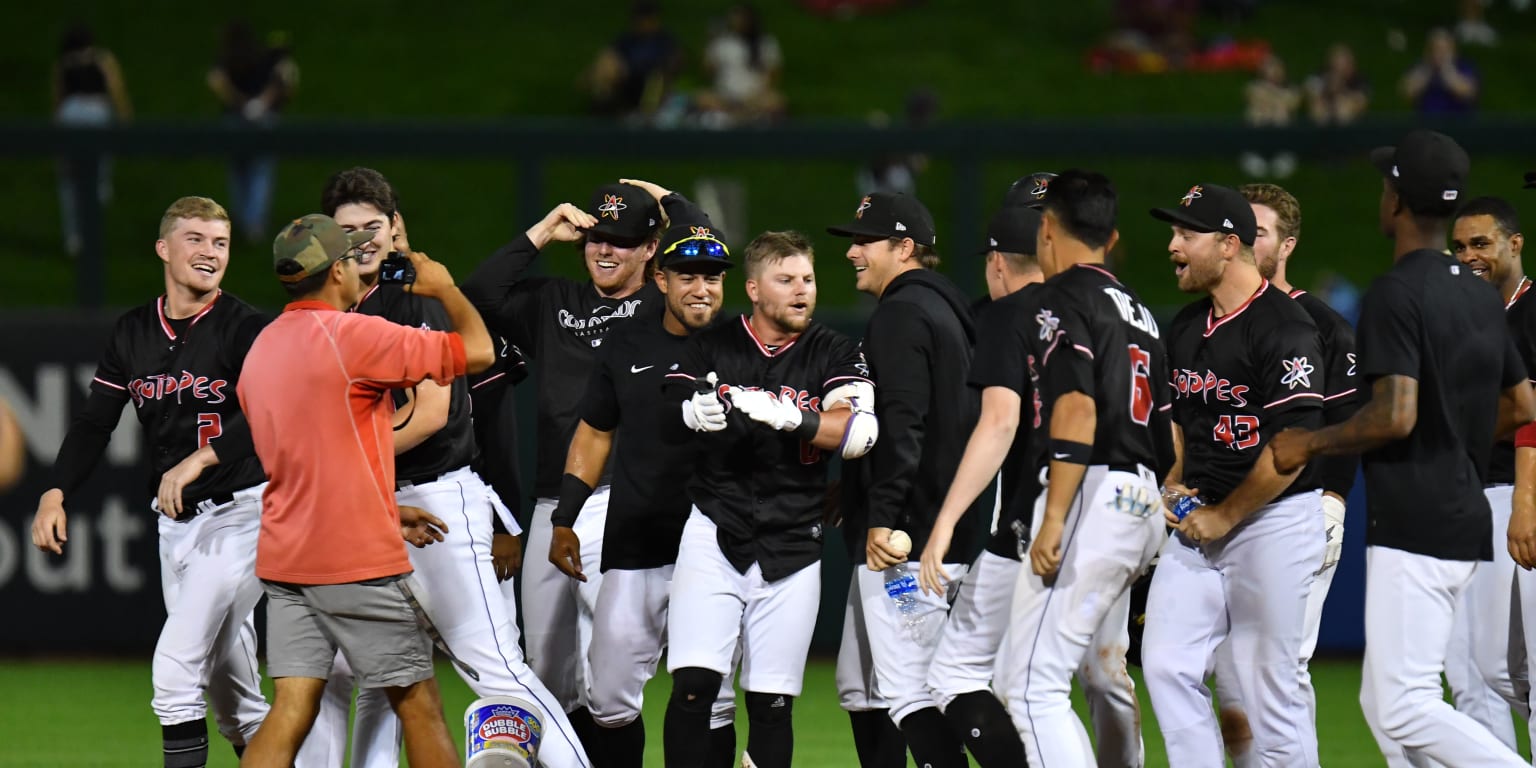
372	622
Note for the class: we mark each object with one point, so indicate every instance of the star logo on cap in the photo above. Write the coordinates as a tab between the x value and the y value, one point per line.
700	231
1194	193
1049	323
611	206
863	206
1041	185
1298	372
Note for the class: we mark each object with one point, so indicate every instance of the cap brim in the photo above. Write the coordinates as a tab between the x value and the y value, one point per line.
358	237
621	239
1172	216
699	265
856	230
1385	159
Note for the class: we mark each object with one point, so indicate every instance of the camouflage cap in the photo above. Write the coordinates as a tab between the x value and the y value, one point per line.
310	245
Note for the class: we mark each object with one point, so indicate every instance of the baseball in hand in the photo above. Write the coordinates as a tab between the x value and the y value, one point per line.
900	541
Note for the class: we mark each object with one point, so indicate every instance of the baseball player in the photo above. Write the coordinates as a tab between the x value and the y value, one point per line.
649	503
560	324
1246	363
1098	353
177	359
919	340
434	446
1278	219
1482	666
1445	381
748	564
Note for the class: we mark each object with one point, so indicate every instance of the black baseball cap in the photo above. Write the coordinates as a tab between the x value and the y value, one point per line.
882	214
1428	170
1213	208
1530	179
1013	229
626	214
693	246
1029	190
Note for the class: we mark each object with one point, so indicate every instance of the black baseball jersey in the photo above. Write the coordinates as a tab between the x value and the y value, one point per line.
1520	311
180	376
764	488
1341	390
493	415
648	504
1432	320
1093	335
1239	380
559	324
453	446
1003	359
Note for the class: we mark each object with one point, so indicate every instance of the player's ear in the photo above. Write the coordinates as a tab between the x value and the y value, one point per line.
751	284
1114	237
163	250
661	280
1515	242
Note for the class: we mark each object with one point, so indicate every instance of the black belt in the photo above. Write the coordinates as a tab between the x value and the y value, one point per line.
193	509
1134	469
402	482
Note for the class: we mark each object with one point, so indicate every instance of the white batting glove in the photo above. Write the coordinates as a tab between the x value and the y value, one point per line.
704	412
1333	524
766	409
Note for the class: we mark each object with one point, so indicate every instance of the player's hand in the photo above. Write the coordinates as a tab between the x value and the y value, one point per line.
1204	525
931	576
1522	535
656	190
565	552
506	555
50	526
565	223
766	409
878	552
1333	527
704	412
432	278
420	527
177	478
1172	494
1045	550
1290	450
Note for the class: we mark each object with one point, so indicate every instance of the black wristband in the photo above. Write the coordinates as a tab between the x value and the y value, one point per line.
810	422
1070	452
574	493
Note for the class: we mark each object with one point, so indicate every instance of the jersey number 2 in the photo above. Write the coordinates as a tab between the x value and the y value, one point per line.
209	426
1141	385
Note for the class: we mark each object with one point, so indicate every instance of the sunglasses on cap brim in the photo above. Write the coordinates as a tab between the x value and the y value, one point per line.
693	247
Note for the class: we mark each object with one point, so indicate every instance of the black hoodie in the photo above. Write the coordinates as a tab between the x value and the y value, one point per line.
918	346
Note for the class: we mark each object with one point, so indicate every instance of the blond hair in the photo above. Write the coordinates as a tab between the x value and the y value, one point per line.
1274	197
191	207
773	247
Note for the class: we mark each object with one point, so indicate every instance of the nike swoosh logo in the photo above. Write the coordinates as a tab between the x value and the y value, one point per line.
637	369
1059	456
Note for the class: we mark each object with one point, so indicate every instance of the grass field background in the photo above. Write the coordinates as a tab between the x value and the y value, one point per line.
96	713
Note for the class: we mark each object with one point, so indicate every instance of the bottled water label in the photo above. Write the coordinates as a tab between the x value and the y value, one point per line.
1186	505
901	586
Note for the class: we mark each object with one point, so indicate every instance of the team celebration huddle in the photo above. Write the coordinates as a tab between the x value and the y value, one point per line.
1042	485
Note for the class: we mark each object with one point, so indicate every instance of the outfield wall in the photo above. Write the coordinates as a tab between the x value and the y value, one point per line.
102	597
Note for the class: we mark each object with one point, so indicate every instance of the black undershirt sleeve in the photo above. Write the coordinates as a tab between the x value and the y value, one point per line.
86	440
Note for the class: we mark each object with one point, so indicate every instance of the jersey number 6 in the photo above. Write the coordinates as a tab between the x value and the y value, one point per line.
1141	385
209	426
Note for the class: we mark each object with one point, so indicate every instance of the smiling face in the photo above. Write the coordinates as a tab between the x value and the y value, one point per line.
783	292
196	253
1197	259
1481	244
364	217
877	261
693	298
617	270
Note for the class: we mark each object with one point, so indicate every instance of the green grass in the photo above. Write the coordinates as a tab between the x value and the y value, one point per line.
479	60
96	713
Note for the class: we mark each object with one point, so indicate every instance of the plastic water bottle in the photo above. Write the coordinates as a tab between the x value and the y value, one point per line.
1186	505
902	588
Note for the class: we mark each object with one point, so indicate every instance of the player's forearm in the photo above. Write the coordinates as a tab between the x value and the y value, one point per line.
588	453
1524	499
85	442
1258	489
1389	415
1074	419
1516	409
830	428
984	455
479	347
235	444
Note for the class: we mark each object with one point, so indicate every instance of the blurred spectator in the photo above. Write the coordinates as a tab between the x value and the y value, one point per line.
896	173
1442	83
13	448
744	63
1272	101
634	73
253	83
1158	32
1339	94
88	90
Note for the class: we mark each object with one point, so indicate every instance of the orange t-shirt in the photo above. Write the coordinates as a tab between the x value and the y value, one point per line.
315	389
